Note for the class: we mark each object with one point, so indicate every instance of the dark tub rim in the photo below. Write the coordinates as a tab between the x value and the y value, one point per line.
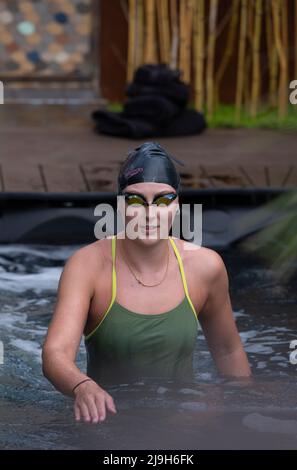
64	217
249	195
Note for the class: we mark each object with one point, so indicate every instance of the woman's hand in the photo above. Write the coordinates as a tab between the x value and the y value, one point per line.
91	402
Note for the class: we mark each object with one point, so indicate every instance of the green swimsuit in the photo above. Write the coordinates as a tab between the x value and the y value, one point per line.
127	346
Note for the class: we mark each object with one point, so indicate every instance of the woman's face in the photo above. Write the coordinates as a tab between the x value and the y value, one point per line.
148	222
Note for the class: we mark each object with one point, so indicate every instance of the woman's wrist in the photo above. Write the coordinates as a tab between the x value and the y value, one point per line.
79	383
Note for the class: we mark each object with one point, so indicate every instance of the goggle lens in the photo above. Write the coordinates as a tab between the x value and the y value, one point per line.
137	200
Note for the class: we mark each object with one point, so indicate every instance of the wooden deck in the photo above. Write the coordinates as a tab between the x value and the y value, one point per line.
103	177
54	149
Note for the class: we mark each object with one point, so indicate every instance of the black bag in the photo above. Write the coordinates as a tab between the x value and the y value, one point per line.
156	107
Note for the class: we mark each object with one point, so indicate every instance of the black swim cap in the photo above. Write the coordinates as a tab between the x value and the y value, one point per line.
149	163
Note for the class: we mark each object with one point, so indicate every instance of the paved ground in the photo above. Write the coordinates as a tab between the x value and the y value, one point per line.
46	150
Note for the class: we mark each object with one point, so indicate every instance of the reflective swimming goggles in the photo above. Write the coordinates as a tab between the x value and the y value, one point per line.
133	199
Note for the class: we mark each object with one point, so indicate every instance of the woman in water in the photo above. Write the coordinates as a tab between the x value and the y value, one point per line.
137	300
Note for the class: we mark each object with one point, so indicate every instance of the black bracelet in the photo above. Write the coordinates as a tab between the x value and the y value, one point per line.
85	380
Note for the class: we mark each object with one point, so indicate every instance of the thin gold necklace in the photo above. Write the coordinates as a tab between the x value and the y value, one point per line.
138	280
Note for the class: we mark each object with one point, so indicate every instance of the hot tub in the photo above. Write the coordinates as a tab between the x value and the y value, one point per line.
210	413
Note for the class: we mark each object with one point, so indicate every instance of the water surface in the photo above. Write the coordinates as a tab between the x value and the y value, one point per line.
209	413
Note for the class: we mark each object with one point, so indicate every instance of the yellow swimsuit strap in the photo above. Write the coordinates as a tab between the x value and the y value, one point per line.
182	271
114	281
114	287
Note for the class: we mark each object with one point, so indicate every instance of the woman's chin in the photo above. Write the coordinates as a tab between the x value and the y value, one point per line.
151	236
147	235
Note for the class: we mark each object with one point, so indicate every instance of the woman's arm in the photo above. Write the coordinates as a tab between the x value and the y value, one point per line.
218	324
64	334
66	327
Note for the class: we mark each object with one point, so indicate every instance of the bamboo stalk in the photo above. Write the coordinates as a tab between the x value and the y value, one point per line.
161	30
256	59
166	30
246	82
174	34
163	26
182	37
139	34
213	11
282	94
295	30
272	55
284	20
188	40
250	23
145	40
185	18
274	75
150	45
285	39
241	59
199	53
131	40
228	50
224	21
248	55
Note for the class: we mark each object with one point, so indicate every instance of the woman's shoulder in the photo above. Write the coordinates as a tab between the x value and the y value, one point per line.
90	255
206	260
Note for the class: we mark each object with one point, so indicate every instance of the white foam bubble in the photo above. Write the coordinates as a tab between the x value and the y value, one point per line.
45	279
46	251
28	346
193	406
258	349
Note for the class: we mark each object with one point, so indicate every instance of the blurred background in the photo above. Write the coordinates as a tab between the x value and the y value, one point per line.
230	52
60	61
85	81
